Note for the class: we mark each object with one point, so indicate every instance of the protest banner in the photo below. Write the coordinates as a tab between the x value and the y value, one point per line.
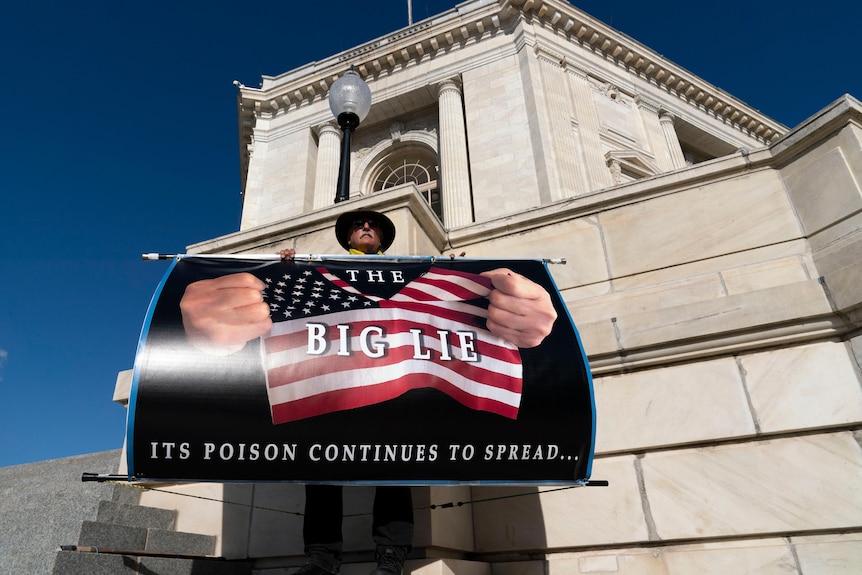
376	370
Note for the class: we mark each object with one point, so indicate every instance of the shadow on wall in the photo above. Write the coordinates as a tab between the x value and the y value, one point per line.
267	524
508	520
457	521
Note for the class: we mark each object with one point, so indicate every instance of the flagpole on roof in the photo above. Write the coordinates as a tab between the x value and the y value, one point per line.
409	12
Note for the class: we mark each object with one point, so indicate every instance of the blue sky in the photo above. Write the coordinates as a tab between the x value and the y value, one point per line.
119	137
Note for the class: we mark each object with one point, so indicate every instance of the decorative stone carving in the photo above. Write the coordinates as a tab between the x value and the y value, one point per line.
611	91
250	148
616	171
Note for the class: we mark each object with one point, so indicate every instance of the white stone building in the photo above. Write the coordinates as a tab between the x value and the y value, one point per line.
714	272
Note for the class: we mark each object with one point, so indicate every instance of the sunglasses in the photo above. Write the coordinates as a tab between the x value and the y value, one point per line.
361	224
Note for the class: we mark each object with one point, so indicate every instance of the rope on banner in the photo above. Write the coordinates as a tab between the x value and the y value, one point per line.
433	506
596	483
212	499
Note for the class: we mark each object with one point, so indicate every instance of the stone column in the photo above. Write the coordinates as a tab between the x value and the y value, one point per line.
564	181
598	175
328	154
670	137
653	133
454	170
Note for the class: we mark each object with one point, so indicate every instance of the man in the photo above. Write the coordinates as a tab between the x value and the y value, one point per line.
359	232
222	314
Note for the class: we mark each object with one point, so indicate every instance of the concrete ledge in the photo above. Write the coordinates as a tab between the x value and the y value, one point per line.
783	315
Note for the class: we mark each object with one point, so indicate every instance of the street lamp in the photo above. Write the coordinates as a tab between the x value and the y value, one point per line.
349	100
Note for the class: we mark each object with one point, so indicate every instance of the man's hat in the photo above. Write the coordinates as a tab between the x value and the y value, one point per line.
344	226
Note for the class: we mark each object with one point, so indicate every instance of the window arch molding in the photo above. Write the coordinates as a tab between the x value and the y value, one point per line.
369	167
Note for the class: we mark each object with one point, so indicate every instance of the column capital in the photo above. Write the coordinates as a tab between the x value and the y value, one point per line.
330	127
664	116
453	83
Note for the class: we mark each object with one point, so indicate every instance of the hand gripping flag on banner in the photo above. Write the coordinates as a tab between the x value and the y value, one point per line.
333	348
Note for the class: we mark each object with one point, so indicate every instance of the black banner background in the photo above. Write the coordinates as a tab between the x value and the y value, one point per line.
195	416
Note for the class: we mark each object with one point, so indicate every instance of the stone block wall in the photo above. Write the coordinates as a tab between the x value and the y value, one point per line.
727	375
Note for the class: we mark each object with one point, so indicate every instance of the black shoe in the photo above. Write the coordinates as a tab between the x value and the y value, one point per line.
390	560
318	565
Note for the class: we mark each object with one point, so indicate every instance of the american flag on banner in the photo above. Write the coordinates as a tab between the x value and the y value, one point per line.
332	348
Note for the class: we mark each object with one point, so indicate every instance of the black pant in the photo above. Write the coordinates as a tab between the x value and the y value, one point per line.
392	524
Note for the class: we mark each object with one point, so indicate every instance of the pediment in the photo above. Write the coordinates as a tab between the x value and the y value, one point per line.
635	164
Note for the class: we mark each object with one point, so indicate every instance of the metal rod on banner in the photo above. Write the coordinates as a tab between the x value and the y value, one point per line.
337	257
102	477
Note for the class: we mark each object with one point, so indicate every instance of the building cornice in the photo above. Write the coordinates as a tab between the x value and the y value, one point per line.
376	59
472	22
451	30
581	28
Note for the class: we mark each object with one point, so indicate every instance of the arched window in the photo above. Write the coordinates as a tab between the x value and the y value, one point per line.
414	164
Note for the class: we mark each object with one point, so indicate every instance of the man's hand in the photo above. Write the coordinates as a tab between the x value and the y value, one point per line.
520	311
222	314
287	253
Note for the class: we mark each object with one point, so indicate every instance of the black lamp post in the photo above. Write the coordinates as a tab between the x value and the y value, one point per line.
349	100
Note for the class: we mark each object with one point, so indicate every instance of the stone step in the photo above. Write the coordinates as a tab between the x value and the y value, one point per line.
126	494
135	515
98	534
176	542
76	563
